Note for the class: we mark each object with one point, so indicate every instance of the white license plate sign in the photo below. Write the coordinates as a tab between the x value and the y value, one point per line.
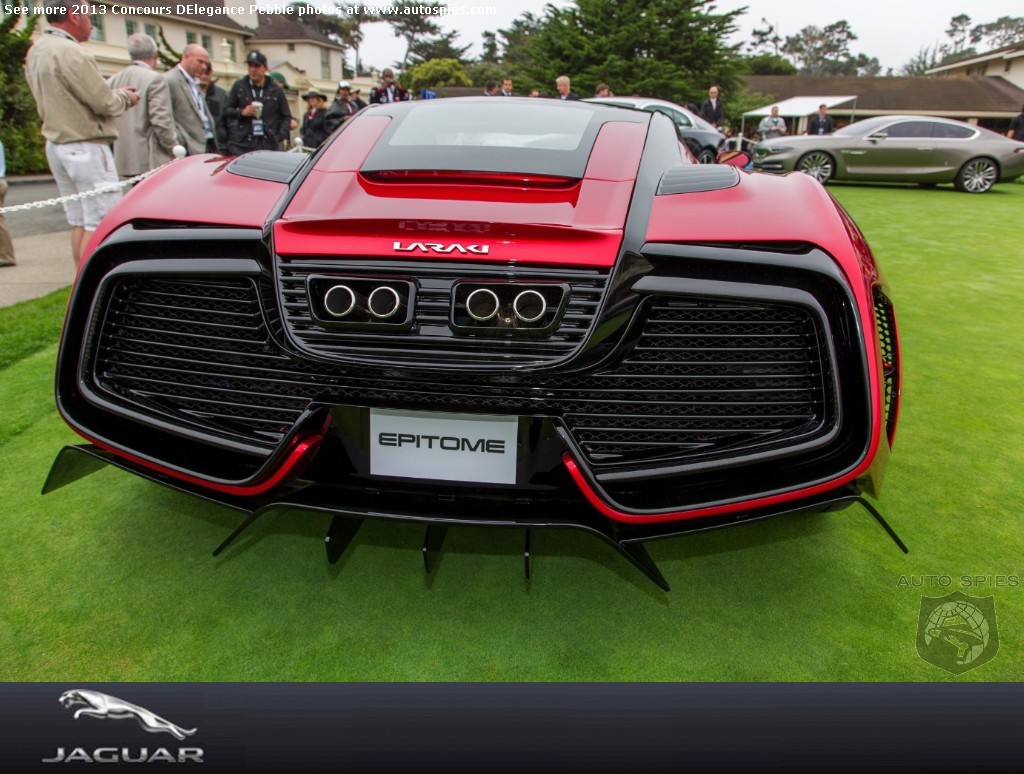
446	447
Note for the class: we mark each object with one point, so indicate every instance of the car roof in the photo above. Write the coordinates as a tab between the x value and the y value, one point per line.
637	102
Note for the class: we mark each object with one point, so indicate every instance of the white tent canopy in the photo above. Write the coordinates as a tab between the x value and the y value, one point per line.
796	107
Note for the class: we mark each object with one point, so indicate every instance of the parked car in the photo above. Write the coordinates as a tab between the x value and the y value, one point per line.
704	141
899	149
484	312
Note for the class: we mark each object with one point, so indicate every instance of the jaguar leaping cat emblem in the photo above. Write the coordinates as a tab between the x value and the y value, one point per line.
104	706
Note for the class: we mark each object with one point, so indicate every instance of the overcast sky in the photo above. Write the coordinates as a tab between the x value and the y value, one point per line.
892	30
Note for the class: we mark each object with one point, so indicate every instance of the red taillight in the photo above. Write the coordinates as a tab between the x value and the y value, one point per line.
459	177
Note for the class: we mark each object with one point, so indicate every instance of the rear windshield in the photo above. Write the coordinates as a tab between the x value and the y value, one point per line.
545	126
490	135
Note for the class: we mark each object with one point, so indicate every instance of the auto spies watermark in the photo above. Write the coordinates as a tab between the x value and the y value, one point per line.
957	631
957	581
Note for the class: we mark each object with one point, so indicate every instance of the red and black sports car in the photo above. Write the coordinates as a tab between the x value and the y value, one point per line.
492	312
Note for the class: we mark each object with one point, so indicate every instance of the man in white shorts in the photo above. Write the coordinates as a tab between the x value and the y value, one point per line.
78	109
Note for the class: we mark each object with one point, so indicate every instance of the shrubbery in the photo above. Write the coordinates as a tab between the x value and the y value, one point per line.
434	73
24	146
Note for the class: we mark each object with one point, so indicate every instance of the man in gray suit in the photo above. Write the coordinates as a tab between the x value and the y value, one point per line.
146	136
191	114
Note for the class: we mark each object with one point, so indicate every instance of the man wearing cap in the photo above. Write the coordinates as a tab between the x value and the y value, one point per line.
345	106
314	129
389	90
257	110
192	118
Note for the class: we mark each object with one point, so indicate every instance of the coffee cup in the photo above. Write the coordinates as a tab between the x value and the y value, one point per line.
259	108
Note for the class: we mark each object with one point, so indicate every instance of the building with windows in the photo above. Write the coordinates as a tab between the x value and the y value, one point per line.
302	56
1006	62
283	39
220	34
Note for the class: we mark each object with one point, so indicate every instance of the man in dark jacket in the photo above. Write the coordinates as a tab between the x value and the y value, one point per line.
216	98
314	128
257	110
345	106
1016	131
821	123
563	85
711	108
389	90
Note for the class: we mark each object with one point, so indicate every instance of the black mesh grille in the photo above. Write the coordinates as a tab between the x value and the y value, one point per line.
886	325
197	350
431	341
704	377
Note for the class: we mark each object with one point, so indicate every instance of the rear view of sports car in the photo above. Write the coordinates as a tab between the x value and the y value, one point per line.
516	313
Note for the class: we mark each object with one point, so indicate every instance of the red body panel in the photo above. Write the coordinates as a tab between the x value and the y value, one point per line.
762	209
194	190
337	211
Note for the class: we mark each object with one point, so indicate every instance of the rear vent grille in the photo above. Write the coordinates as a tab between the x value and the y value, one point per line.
197	351
885	323
709	375
431	341
706	377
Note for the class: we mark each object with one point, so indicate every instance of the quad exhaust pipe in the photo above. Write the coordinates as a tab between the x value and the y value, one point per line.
365	303
528	306
382	302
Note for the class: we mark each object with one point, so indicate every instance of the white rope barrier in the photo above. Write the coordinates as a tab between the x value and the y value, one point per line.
111	187
178	151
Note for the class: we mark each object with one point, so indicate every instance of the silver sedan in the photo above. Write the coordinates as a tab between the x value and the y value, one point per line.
899	149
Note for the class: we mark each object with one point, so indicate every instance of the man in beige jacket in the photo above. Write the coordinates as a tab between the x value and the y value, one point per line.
78	109
146	135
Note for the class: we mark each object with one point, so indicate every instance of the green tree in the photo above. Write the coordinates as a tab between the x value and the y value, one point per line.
438	47
1004	31
481	72
434	73
765	39
414	21
514	55
342	28
168	56
739	103
20	128
672	49
767	64
925	59
866	66
490	47
826	51
959	31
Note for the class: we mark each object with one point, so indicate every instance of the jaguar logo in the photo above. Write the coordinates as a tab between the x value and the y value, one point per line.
437	247
104	706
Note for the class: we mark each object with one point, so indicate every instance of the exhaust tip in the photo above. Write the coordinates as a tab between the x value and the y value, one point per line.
482	304
529	306
384	302
339	301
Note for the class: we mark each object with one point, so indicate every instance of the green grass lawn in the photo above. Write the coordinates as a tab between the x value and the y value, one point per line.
111	579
